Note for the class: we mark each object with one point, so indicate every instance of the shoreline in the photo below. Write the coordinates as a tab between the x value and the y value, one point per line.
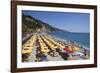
66	41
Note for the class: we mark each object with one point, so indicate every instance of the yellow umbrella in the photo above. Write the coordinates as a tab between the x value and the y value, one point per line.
45	49
76	48
27	50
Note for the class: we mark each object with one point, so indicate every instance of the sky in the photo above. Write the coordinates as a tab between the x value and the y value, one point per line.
69	21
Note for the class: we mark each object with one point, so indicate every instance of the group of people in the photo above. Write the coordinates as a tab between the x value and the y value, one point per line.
42	56
65	53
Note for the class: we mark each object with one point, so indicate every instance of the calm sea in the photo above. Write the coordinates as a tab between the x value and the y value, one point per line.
80	38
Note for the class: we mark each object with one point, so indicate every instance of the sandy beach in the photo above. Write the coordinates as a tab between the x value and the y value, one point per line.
44	47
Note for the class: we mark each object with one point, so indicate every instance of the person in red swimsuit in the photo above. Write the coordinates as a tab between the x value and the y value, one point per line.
67	49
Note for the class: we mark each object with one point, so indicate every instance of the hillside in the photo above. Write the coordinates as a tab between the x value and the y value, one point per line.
30	24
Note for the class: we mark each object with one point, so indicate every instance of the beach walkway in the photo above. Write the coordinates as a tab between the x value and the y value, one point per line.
58	58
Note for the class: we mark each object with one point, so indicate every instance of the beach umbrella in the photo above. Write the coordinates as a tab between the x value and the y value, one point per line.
76	49
45	49
27	50
28	45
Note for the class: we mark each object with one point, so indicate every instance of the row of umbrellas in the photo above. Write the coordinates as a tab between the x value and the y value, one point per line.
45	42
28	46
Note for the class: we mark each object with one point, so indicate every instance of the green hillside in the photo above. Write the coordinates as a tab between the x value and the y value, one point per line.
30	24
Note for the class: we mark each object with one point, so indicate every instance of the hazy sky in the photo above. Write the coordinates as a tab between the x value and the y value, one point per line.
73	22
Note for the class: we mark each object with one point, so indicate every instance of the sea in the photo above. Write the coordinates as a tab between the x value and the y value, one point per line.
82	39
